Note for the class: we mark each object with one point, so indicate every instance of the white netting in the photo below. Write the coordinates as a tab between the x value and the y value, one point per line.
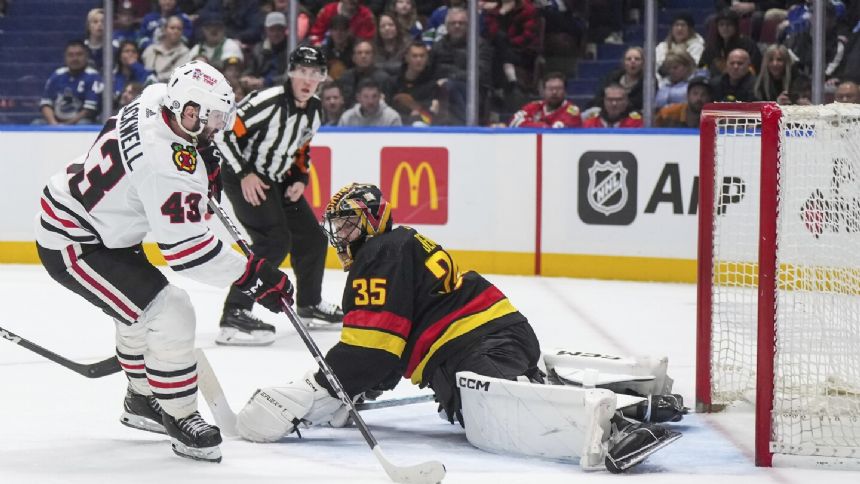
816	405
735	253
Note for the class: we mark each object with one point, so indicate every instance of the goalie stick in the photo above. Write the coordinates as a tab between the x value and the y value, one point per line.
92	370
225	417
426	472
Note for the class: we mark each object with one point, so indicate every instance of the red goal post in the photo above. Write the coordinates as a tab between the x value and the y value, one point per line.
778	312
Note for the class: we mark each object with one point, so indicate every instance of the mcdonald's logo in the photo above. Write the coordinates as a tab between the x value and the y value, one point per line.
318	191
423	174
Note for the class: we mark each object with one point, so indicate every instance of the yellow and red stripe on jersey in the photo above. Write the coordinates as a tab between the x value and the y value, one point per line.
485	307
381	330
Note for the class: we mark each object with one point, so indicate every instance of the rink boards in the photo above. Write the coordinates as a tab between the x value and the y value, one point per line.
613	204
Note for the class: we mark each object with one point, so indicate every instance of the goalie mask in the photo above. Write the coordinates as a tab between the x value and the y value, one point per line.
355	213
201	84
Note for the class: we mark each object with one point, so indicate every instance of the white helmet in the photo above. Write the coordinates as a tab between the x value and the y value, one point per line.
198	82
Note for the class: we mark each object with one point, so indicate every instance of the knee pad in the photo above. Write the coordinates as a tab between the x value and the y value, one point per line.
170	324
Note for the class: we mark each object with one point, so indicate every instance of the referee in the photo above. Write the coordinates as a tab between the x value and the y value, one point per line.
265	173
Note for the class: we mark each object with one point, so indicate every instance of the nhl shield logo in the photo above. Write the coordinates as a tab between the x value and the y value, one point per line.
184	157
607	187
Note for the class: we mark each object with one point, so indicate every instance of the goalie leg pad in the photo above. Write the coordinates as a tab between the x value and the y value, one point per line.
559	422
639	375
273	413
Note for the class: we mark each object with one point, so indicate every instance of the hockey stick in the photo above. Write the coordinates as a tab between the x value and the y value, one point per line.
225	417
427	472
92	370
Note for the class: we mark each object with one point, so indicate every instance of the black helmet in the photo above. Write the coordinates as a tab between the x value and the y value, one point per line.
355	213
308	56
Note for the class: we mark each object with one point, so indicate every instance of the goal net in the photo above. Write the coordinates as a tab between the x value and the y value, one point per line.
779	275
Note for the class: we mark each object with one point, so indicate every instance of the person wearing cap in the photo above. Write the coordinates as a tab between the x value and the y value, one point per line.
303	17
682	38
686	114
220	52
268	63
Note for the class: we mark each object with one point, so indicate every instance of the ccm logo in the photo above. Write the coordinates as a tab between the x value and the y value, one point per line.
11	337
473	384
589	355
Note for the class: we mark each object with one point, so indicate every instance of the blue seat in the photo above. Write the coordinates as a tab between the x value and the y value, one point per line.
595	69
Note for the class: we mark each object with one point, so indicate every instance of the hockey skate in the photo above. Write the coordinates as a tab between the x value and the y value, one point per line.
630	443
239	327
193	438
142	412
322	315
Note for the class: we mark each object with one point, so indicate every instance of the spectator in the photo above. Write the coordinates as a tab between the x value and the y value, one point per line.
606	21
738	83
682	38
221	52
360	20
776	74
835	40
679	67
629	76
95	37
406	15
168	52
364	68
390	45
154	23
268	63
303	17
450	57
686	114
72	94
338	47
847	92
565	31
800	92
332	103
125	25
242	19
554	111
129	69
435	28
616	111
725	39
129	93
512	27
370	110
416	95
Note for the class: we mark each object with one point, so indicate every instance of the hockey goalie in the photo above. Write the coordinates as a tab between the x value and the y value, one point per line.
409	313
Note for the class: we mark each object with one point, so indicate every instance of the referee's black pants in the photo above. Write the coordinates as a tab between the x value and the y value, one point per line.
279	227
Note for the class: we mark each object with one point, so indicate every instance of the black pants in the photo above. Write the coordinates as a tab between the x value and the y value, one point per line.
508	353
120	282
279	227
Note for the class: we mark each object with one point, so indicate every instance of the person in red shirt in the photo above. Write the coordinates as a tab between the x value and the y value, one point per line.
361	22
615	112
554	111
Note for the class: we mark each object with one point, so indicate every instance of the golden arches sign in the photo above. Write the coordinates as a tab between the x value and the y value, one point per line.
414	176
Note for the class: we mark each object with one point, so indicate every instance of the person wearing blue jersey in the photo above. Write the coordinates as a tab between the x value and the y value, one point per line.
154	22
72	94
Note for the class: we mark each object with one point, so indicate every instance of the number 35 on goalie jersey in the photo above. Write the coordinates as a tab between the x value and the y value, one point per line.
407	307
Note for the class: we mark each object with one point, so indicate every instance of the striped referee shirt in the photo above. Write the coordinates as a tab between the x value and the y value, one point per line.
271	135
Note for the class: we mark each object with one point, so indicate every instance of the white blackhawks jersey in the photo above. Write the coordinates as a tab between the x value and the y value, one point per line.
139	177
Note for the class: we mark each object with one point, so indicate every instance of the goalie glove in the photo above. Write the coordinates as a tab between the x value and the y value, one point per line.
275	412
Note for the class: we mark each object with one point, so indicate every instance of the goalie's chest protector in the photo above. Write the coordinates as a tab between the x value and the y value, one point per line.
405	295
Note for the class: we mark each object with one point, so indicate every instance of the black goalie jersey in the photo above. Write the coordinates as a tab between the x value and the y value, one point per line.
406	309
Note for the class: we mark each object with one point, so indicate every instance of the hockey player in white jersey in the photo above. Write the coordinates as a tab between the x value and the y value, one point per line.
151	170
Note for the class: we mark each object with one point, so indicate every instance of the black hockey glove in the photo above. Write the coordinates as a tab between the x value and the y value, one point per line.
212	159
266	284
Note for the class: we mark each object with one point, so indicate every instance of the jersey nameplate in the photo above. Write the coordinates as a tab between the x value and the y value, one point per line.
129	136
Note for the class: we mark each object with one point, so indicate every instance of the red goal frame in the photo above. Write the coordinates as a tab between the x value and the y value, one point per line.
770	115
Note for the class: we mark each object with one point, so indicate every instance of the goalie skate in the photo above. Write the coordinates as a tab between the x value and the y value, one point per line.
634	443
142	412
193	438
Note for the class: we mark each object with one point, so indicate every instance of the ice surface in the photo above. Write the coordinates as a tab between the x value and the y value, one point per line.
56	426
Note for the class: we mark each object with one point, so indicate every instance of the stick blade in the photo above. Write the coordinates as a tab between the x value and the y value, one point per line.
212	392
430	472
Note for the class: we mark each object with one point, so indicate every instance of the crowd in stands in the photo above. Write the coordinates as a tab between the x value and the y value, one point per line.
403	62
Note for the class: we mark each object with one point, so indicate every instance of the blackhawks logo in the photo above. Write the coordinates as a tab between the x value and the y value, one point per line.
184	157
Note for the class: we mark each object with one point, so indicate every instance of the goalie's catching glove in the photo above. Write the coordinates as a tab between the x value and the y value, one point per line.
265	284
